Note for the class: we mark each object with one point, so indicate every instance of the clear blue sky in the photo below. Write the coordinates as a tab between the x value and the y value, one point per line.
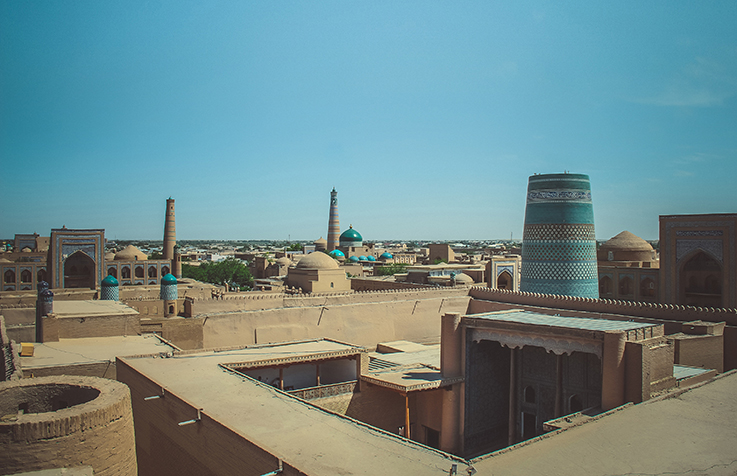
428	117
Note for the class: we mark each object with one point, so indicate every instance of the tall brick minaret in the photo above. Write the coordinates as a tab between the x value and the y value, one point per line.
170	231
334	222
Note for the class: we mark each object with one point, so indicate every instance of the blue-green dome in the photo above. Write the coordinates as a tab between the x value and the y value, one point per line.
109	281
353	259
371	258
337	254
169	279
351	235
386	255
361	258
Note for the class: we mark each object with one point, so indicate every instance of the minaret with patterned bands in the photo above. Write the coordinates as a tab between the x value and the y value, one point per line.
170	231
334	222
559	243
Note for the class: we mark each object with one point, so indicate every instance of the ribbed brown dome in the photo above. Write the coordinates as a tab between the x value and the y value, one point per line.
626	247
317	260
626	241
130	253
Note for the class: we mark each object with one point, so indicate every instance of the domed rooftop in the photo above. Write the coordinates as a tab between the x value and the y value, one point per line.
371	258
353	259
284	261
317	260
627	241
386	255
351	235
320	240
463	278
626	247
109	256
337	254
130	253
169	279
109	281
362	258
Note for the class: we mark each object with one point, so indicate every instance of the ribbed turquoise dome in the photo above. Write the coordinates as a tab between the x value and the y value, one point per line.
371	258
361	258
351	235
109	281
386	255
169	279
353	259
337	254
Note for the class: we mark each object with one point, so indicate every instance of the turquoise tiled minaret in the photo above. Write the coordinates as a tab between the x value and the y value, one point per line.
559	243
109	289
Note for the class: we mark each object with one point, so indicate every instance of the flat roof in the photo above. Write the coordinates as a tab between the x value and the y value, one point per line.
409	378
693	431
91	349
538	319
317	441
67	309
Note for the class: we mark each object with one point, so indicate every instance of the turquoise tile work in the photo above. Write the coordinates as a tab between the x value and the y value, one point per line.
559	242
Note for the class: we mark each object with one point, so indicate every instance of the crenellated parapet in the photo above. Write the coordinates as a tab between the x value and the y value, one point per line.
611	306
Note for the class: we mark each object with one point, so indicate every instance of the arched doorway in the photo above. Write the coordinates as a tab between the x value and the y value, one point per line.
605	285
700	281
647	288
504	281
626	289
79	271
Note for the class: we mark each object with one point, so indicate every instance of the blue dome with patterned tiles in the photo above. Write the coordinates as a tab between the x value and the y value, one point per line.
169	279
109	281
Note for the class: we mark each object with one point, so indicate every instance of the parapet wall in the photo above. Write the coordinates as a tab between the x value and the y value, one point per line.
358	284
251	301
671	312
362	318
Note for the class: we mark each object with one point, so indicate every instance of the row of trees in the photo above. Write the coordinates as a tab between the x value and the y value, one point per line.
231	271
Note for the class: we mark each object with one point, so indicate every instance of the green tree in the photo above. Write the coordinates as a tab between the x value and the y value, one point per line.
228	271
391	269
156	255
294	247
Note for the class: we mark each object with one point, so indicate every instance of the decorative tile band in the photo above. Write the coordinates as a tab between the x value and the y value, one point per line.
559	231
558	195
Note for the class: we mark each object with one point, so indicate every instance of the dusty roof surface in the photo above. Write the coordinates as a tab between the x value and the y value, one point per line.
410	378
71	309
91	349
692	433
251	408
585	323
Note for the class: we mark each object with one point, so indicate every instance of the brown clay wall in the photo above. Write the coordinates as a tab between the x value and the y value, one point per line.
184	333
96	369
700	351
358	284
411	316
373	405
98	433
200	449
264	300
98	326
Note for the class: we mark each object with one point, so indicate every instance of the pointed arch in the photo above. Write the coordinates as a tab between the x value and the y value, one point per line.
79	271
700	277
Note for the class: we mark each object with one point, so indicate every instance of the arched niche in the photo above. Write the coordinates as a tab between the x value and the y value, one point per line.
79	271
700	280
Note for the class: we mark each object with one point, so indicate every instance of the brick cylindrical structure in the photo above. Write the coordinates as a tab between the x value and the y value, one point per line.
559	243
334	222
109	289
66	421
170	231
169	294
